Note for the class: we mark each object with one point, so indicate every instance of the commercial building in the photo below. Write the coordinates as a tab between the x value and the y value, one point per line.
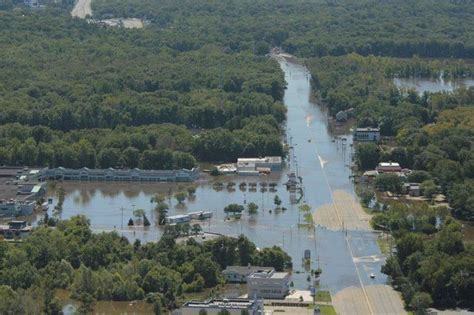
239	274
125	175
255	166
15	229
17	196
366	135
185	218
216	306
268	285
11	172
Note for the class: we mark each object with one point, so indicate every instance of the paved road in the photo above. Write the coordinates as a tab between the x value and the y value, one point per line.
82	8
323	162
344	213
383	300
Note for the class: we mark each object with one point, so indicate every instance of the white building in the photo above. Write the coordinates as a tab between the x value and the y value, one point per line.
254	166
366	134
214	306
176	219
239	274
268	285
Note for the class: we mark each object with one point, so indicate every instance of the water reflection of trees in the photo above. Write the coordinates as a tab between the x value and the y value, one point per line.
85	196
129	193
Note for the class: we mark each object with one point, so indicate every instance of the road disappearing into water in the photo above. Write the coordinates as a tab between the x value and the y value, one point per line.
323	164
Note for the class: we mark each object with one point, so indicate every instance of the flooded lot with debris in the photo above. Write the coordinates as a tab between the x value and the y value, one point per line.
347	257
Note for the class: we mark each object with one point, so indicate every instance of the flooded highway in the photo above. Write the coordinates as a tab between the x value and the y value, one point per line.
347	257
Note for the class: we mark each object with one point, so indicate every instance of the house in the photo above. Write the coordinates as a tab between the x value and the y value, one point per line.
368	176
412	189
239	274
366	135
9	208
15	229
268	284
235	306
33	190
388	167
341	116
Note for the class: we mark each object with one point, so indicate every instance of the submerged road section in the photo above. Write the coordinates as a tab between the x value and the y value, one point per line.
341	241
323	163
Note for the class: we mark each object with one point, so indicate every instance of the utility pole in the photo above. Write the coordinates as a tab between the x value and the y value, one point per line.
121	223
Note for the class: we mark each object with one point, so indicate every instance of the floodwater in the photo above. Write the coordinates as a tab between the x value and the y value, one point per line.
317	157
432	85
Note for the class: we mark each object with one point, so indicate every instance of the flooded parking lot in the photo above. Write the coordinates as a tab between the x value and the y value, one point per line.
316	155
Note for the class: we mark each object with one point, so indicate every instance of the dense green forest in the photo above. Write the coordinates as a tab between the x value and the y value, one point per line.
195	85
74	94
106	266
431	264
432	134
312	27
203	70
429	132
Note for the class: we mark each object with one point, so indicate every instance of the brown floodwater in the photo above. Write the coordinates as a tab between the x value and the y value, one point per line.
321	160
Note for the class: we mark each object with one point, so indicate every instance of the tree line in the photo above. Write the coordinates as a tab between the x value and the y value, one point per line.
432	132
115	98
431	265
164	146
310	28
105	266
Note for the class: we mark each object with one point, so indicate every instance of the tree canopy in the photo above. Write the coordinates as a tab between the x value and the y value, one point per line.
106	266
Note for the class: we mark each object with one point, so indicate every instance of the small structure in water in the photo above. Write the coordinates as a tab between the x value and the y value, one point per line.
185	218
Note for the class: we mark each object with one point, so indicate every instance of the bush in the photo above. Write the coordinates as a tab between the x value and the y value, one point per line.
215	172
389	182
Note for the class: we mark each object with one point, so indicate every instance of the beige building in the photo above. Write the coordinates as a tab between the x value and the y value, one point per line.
255	166
239	274
388	167
268	285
